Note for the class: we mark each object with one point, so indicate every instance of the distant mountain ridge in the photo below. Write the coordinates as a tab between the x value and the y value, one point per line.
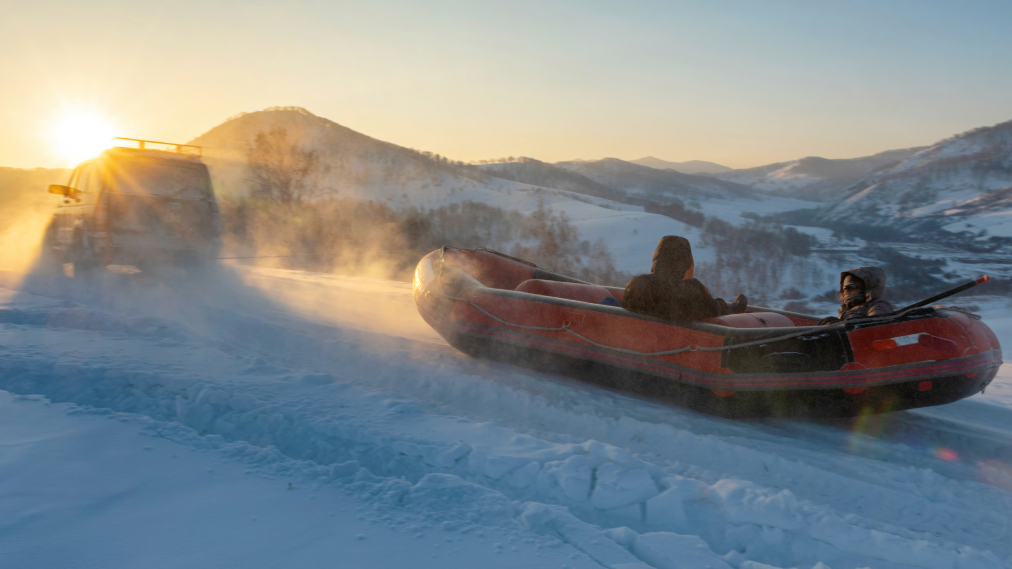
616	180
815	178
960	184
651	184
530	171
687	167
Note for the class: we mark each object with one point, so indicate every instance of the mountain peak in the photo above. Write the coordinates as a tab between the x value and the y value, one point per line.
299	110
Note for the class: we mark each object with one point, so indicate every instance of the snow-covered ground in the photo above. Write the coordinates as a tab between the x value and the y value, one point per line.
631	234
731	210
87	487
996	223
264	418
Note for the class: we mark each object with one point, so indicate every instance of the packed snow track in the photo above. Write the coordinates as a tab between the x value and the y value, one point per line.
336	382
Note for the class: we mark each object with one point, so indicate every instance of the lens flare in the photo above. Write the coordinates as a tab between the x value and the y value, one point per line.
869	425
79	135
946	454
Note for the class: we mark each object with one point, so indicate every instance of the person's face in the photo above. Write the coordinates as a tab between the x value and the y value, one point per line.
853	288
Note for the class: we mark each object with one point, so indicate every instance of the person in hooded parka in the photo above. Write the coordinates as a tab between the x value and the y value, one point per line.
670	292
862	292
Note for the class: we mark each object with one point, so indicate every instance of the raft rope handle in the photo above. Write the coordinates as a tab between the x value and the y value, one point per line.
690	348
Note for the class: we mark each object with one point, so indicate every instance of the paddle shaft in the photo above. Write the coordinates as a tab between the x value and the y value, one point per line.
947	293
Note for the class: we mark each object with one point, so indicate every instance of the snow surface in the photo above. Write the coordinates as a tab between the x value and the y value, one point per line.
264	418
731	210
86	487
997	224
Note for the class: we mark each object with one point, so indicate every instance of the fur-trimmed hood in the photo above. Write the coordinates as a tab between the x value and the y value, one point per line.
874	280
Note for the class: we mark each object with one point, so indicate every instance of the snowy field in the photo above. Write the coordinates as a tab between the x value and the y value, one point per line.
630	233
267	418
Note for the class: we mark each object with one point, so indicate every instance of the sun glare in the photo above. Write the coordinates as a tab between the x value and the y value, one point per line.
81	135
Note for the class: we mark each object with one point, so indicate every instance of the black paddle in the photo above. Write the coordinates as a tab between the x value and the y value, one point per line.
947	293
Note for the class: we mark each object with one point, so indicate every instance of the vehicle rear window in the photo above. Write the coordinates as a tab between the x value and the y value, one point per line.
160	178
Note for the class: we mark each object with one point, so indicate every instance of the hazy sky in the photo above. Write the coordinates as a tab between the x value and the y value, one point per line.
742	83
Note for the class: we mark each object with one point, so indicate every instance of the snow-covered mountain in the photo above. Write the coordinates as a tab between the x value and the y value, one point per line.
620	203
814	178
960	184
602	199
687	167
351	164
651	184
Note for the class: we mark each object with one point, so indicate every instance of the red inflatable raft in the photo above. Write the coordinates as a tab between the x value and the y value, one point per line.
763	363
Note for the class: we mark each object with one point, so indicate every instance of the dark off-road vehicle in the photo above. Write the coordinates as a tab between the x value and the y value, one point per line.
136	206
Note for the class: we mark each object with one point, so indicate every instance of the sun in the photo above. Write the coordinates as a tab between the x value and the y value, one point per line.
79	135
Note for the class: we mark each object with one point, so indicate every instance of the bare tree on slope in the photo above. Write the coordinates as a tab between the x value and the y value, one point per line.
280	171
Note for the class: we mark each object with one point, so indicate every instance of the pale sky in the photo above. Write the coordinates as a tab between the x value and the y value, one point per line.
741	83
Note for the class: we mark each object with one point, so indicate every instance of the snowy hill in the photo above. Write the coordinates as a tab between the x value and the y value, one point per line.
814	178
628	207
602	200
353	165
687	167
961	183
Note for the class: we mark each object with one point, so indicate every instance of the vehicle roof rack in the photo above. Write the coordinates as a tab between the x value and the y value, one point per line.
189	149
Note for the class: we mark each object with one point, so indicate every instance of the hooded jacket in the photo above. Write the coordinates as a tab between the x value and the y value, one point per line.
669	291
657	296
673	259
873	303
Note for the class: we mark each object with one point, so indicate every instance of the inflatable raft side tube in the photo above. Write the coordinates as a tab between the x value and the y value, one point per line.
811	404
